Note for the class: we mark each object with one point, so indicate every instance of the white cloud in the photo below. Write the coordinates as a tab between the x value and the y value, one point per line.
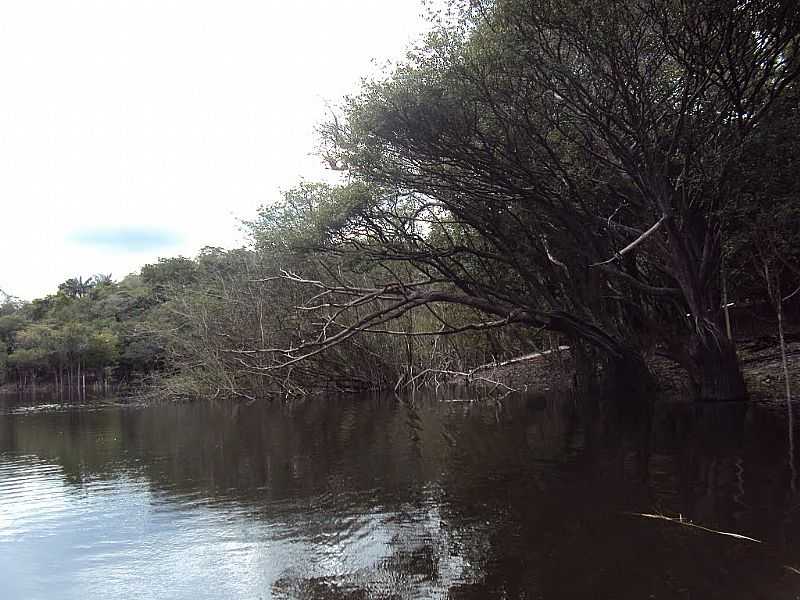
180	116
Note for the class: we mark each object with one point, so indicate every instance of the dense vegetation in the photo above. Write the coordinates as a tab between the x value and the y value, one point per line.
89	327
609	173
203	326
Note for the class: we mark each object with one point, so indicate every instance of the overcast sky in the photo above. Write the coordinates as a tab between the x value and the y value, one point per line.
136	129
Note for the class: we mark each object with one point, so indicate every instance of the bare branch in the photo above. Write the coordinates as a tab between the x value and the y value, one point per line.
633	244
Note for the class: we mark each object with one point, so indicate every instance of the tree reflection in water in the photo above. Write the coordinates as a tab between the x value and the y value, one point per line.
422	497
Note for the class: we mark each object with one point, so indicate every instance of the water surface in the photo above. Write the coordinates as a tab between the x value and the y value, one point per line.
377	497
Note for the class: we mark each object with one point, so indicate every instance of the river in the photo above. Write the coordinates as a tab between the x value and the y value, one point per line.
379	497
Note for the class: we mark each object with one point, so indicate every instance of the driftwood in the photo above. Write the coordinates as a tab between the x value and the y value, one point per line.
681	521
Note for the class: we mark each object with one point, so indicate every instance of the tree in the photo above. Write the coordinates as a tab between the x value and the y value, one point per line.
102	279
566	165
9	303
10	324
76	287
763	224
102	349
168	274
36	350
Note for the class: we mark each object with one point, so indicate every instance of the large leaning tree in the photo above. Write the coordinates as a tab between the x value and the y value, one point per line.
563	164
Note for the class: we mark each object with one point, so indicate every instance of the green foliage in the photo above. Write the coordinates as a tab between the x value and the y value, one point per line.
167	275
762	225
582	153
310	216
76	287
31	359
102	349
10	324
88	326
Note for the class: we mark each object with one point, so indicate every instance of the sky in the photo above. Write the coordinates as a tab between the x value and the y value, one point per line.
135	129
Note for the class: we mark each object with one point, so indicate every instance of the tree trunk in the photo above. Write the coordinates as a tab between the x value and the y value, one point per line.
713	365
620	375
716	374
630	379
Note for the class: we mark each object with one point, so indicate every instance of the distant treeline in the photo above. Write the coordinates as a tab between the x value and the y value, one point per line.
92	331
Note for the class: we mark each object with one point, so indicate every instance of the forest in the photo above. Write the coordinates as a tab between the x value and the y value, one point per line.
611	176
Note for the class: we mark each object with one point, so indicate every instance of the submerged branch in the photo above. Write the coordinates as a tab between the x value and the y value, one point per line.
680	521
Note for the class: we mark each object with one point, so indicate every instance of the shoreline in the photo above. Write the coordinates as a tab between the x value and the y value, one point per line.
551	371
540	372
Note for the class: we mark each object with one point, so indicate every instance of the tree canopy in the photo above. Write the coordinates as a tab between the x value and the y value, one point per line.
568	164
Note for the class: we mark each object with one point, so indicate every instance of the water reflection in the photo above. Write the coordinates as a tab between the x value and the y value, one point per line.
386	498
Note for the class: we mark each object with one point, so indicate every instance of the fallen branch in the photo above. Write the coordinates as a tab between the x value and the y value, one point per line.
792	569
469	377
680	521
511	361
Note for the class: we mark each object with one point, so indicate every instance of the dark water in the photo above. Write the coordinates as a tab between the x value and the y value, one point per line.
380	498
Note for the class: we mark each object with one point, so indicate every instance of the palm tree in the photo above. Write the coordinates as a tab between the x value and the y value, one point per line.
76	287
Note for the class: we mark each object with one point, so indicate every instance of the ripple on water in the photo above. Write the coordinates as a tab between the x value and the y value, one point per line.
196	502
32	497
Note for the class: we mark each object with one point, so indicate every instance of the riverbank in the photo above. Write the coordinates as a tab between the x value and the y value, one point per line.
550	371
546	371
